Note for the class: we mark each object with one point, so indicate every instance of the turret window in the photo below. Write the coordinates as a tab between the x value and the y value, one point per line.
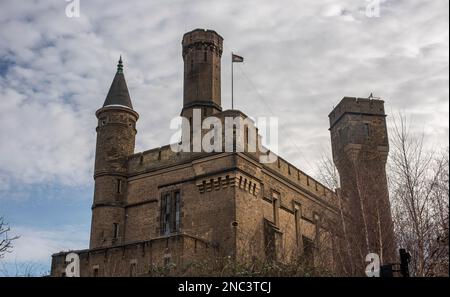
367	130
119	186
102	121
115	230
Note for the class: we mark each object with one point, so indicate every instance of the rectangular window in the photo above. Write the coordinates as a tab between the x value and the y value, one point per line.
170	212
308	251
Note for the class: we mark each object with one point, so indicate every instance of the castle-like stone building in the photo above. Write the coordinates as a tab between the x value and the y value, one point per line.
158	207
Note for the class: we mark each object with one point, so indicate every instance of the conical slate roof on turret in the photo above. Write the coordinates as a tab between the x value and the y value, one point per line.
118	92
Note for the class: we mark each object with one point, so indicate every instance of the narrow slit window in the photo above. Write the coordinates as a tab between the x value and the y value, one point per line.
276	206
297	216
317	229
246	135
367	130
115	230
119	186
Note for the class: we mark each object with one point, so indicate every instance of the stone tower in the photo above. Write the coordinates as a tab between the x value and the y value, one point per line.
202	52
360	149
116	131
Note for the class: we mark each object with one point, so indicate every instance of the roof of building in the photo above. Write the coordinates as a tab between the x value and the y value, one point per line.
118	92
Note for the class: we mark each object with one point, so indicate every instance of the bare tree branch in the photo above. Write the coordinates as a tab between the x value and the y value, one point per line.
5	241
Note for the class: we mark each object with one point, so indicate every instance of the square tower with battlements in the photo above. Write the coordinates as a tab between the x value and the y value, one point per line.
360	149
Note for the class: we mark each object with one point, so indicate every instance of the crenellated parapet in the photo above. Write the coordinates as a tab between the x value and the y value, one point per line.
200	39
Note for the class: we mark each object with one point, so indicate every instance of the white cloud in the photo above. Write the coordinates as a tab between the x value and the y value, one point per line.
36	245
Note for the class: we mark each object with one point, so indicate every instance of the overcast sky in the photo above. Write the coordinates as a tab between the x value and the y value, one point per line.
301	58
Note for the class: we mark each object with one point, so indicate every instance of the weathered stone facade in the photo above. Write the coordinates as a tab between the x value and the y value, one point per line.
159	206
360	148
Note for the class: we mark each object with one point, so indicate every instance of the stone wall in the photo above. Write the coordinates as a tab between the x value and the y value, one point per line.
138	258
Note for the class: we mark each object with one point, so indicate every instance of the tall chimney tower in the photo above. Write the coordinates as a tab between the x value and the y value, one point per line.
202	51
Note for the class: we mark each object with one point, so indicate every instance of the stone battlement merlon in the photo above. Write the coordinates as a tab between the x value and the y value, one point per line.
201	37
300	178
355	105
154	158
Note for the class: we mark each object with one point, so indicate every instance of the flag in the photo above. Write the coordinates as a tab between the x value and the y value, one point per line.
236	58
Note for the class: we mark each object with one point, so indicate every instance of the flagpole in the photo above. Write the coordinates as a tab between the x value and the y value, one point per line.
232	91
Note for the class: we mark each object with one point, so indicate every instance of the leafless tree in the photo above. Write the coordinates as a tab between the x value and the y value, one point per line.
420	199
5	241
328	174
24	269
419	195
